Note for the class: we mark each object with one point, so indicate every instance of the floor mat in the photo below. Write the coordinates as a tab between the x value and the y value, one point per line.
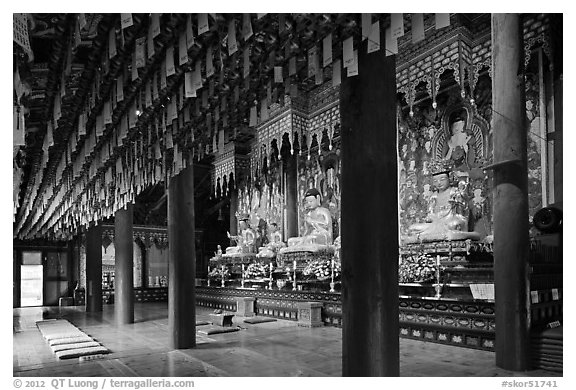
74	353
259	320
65	347
67	341
218	329
70	340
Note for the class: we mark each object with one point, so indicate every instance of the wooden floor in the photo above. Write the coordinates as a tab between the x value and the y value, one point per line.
278	348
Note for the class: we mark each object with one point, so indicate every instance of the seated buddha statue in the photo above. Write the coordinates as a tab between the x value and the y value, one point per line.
447	217
274	244
317	232
244	241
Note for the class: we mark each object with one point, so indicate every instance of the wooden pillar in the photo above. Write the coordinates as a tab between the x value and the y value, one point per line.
510	194
144	274
370	326
233	208
71	266
76	261
94	269
16	274
124	266
556	104
291	196
181	260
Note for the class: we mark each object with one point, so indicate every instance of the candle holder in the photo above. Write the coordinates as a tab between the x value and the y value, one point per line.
438	289
438	286
332	284
270	282
223	283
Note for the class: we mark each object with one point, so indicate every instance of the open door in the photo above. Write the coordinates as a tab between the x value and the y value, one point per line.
31	279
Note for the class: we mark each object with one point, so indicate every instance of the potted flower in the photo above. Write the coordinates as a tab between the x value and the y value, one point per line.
321	269
256	271
219	273
421	268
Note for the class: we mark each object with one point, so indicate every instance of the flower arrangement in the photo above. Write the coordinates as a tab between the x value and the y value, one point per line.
421	268
219	273
256	270
321	269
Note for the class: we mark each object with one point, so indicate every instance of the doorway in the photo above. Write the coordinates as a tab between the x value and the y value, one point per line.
31	279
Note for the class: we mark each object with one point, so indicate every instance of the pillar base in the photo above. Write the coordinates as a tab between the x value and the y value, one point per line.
310	314
245	306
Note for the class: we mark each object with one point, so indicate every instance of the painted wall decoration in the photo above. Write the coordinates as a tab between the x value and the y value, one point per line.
534	141
323	172
82	266
456	133
263	200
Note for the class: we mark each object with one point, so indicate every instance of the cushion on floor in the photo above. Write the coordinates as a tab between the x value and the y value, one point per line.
65	335
74	353
547	349
217	329
70	340
259	320
554	333
67	341
541	341
64	347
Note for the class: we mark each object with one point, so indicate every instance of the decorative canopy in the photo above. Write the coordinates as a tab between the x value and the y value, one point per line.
106	105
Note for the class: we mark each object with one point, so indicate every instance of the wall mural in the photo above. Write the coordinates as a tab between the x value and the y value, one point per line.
533	144
457	131
263	200
455	135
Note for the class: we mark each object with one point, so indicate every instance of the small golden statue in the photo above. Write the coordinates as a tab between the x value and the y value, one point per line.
447	217
274	244
317	233
244	241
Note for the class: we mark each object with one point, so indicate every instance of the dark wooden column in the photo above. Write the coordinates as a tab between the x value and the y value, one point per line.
181	260
233	208
370	327
124	266
291	196
510	194
557	107
144	275
71	266
16	274
76	260
94	269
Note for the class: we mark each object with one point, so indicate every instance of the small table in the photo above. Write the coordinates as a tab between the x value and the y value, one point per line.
224	319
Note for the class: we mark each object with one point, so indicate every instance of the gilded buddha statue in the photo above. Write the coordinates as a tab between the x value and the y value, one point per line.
317	232
244	241
274	243
447	217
